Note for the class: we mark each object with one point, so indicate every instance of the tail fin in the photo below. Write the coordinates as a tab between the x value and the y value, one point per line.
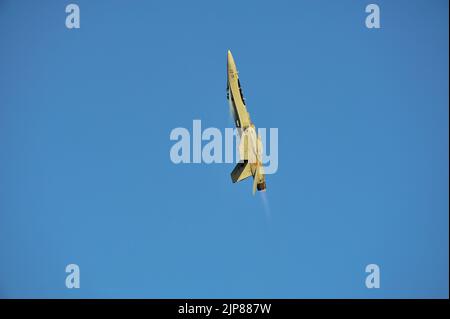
241	172
255	182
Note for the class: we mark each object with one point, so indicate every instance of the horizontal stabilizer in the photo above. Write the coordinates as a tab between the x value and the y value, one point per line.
241	172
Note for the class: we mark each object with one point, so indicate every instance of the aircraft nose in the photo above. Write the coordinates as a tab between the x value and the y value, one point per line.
230	56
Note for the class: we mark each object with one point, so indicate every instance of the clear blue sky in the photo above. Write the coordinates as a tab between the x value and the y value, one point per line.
86	177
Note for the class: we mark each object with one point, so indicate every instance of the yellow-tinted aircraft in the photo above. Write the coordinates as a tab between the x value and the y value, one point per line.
250	147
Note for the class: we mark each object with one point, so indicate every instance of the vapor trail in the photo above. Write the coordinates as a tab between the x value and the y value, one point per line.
265	202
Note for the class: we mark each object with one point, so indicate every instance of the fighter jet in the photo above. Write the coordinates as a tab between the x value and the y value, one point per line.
250	146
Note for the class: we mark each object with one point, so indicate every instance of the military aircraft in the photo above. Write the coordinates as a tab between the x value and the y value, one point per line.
250	147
